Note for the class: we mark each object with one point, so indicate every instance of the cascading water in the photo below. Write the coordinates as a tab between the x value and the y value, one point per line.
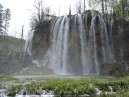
120	34
57	54
107	48
93	45
83	48
28	47
80	44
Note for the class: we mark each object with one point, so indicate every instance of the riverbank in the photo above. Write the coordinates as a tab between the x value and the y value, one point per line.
65	86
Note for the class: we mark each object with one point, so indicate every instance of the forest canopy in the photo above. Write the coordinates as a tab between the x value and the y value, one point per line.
5	16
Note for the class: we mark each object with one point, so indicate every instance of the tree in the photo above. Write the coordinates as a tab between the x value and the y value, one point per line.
93	4
70	10
22	33
6	19
120	10
84	5
1	19
104	5
40	14
78	6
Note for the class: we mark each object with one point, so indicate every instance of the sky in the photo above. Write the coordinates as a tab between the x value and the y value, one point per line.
21	12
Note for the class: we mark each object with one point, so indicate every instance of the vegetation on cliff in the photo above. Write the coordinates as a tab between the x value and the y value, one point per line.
12	54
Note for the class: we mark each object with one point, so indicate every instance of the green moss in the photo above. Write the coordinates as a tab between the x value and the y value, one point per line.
77	87
0	86
6	78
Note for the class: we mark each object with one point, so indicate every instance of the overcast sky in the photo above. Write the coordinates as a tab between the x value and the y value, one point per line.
20	11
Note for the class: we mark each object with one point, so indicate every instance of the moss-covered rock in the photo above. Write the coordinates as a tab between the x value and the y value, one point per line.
115	69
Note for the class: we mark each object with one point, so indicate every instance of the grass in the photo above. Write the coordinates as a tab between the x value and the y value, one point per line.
6	78
0	86
76	87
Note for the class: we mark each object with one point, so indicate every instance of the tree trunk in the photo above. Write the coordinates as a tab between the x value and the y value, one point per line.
84	5
102	6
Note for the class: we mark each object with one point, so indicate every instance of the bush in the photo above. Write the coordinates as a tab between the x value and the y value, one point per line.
74	87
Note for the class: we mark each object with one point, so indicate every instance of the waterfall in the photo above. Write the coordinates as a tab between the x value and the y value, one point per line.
65	45
111	37
80	44
28	46
58	45
93	46
121	51
84	60
107	48
54	32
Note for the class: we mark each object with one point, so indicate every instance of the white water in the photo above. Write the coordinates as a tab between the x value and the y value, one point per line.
84	60
59	42
77	47
108	53
65	45
93	45
28	47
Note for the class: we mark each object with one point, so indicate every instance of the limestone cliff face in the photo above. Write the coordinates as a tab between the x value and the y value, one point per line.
81	44
125	41
41	40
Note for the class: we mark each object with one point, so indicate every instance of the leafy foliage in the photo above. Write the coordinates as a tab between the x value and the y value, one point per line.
75	87
0	86
40	14
6	78
4	20
119	9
